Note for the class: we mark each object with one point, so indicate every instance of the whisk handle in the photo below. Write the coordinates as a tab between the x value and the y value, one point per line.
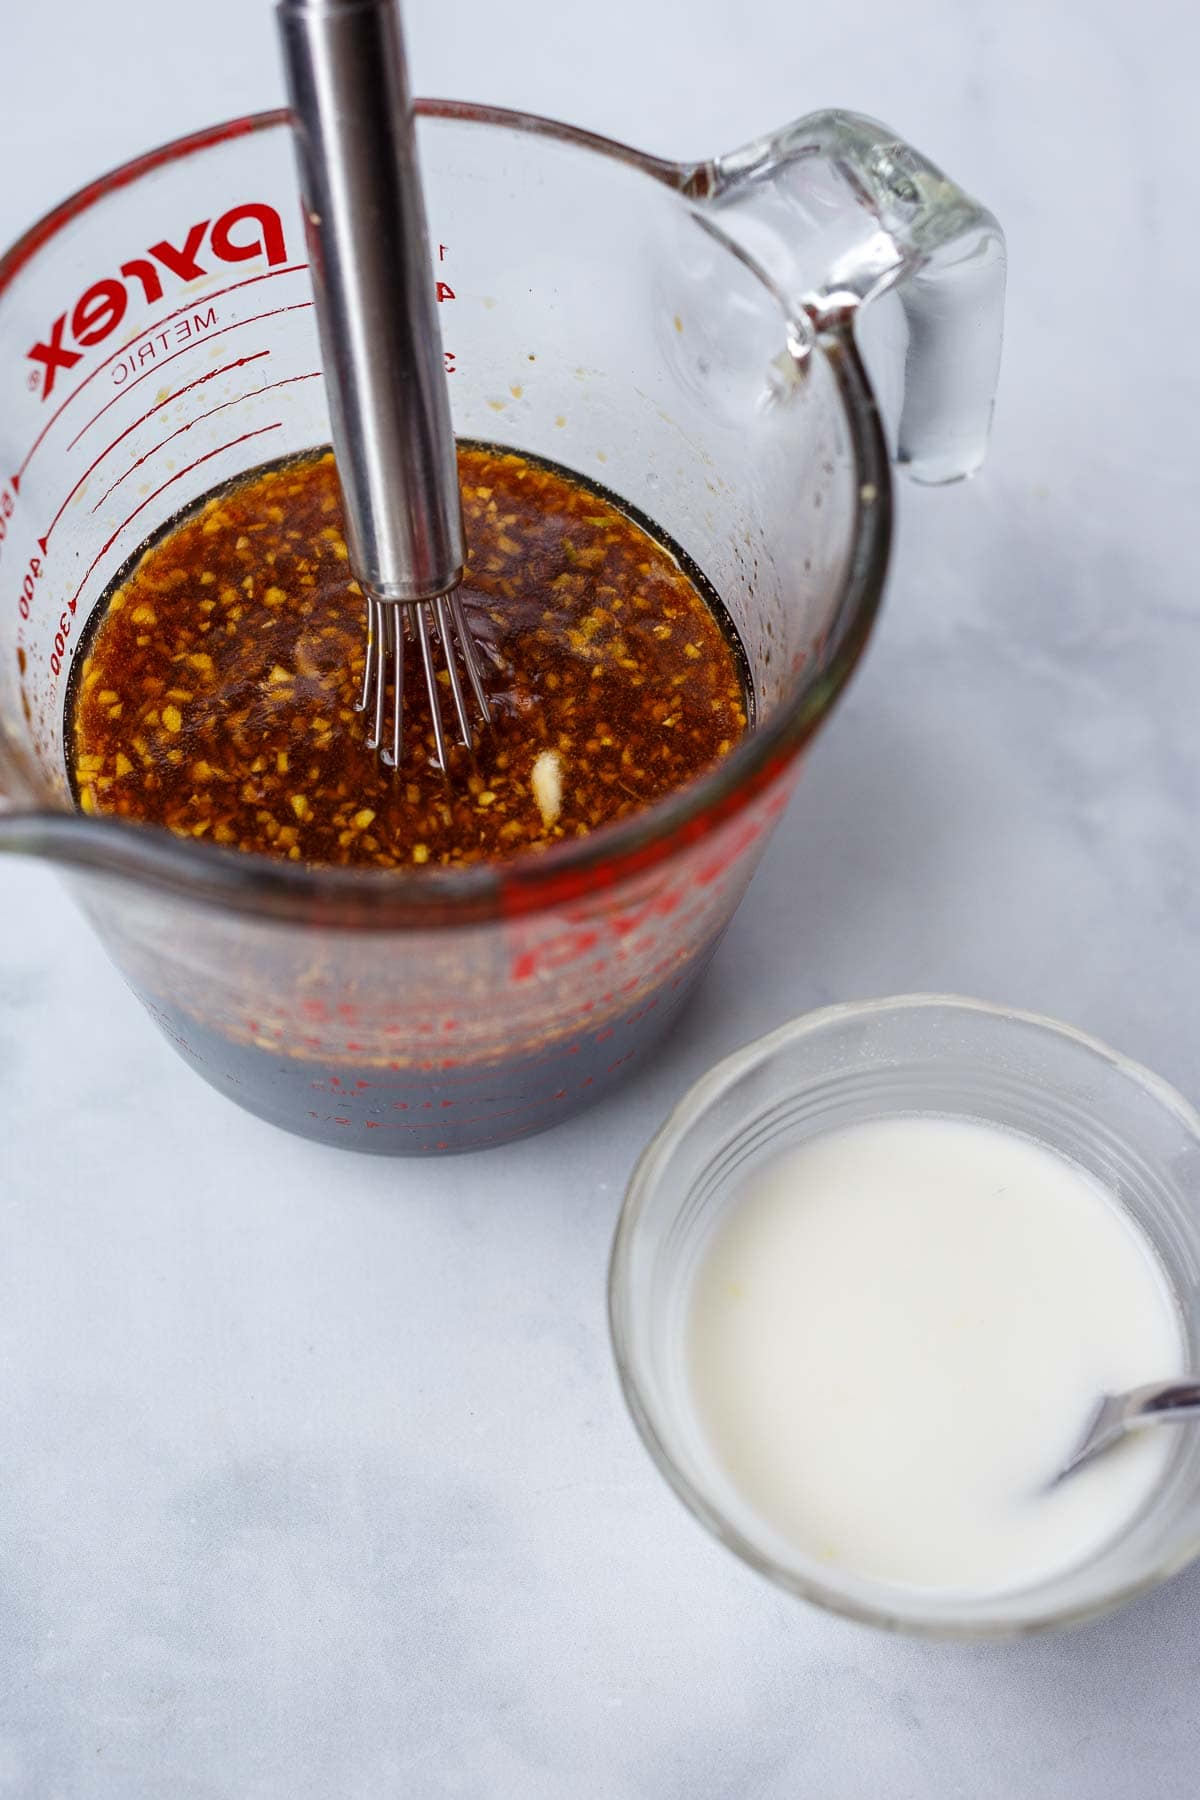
375	294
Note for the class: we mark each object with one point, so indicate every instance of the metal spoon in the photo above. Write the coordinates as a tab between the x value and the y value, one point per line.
1156	1403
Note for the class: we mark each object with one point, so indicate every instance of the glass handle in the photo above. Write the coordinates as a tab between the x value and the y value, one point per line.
836	211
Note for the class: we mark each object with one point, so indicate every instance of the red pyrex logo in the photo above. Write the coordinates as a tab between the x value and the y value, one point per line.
238	235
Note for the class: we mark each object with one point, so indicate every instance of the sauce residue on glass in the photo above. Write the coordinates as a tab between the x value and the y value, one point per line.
217	695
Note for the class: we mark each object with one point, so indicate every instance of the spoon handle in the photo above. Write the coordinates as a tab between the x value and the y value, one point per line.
1161	1402
1154	1403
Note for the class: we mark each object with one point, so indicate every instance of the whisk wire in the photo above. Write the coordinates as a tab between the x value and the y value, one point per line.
441	608
435	711
364	699
380	636
466	645
392	757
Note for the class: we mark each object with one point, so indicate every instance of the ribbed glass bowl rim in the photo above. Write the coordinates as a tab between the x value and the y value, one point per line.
259	887
682	1119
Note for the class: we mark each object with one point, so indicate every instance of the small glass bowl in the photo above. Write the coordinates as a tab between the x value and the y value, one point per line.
923	1053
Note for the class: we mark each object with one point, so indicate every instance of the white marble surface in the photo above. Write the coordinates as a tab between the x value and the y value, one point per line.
315	1481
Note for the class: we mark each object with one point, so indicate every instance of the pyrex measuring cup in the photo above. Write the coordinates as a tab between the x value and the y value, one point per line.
683	335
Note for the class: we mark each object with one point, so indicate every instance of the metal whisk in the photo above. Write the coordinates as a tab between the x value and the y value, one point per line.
387	629
353	124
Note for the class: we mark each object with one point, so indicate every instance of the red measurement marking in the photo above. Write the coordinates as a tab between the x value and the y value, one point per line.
236	401
186	388
178	476
291	269
254	319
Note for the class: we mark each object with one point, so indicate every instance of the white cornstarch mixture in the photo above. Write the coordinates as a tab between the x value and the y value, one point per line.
895	1338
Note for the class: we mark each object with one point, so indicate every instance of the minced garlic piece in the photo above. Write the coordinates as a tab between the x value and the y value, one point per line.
546	782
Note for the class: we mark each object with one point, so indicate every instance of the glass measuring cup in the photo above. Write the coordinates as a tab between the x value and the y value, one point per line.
683	335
